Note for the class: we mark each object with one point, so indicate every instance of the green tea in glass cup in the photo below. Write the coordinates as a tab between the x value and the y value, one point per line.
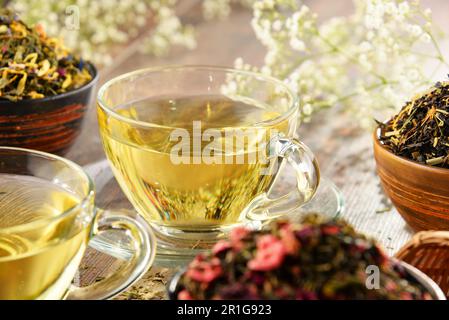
47	220
197	149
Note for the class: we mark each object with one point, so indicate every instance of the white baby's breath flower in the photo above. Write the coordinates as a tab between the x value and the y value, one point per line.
366	61
426	38
238	63
107	22
404	8
365	46
221	9
277	25
428	13
416	30
270	58
266	70
307	109
372	22
297	44
391	8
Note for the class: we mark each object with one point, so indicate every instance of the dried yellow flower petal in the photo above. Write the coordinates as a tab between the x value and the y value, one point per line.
19	29
3	83
35	95
21	85
44	69
18	56
67	82
31	58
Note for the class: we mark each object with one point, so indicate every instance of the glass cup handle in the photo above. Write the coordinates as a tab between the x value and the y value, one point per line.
108	238
306	169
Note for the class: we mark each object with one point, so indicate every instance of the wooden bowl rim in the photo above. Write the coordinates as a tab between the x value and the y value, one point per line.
418	166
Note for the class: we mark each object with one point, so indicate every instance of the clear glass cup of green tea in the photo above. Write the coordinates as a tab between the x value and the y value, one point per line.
48	218
197	149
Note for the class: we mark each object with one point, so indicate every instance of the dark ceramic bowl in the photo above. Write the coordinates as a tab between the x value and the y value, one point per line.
413	275
49	124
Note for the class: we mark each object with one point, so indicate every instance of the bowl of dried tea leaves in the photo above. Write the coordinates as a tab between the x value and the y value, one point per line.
44	89
317	259
412	157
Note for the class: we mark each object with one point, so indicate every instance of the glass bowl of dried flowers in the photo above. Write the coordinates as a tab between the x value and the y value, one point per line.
44	89
316	259
412	157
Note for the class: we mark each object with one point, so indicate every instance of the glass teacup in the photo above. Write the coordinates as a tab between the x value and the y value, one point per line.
197	149
48	218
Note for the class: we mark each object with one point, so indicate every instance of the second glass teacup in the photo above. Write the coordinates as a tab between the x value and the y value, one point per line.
48	218
197	149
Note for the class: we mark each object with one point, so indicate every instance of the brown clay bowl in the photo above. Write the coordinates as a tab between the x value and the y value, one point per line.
419	192
50	124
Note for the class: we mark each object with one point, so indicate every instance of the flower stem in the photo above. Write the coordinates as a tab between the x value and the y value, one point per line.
325	104
349	57
297	63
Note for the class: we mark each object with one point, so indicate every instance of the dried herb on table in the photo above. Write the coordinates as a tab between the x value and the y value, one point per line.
33	65
315	260
420	131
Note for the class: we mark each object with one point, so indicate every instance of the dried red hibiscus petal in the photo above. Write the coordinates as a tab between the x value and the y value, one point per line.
204	271
291	244
221	246
184	295
238	234
270	254
330	230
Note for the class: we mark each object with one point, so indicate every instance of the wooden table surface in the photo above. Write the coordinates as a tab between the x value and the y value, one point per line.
343	151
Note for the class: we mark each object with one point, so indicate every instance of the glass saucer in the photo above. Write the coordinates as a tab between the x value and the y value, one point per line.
327	201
